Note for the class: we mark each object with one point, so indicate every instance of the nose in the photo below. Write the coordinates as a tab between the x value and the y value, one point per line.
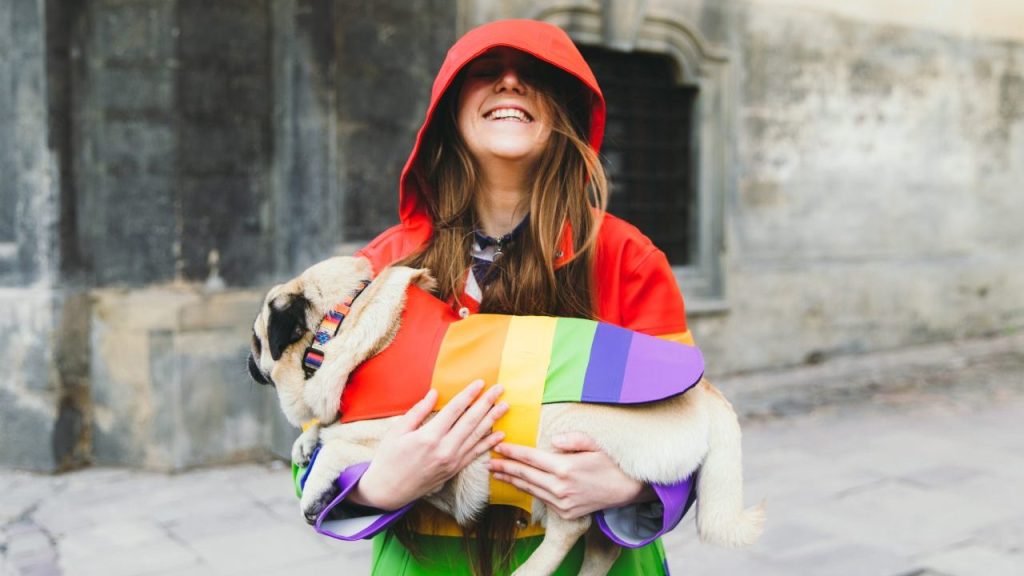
510	79
256	374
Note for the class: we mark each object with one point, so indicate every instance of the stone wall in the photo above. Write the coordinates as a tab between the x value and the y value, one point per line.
171	140
27	168
351	84
871	199
879	167
30	305
164	161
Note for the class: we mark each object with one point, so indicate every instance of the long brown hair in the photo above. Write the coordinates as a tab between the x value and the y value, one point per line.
569	186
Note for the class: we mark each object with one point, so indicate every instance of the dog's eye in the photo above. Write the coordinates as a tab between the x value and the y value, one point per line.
287	324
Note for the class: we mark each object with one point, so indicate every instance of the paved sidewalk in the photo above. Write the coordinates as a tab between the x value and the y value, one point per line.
901	464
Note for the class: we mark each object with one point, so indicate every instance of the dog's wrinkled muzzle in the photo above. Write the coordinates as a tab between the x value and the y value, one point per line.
258	376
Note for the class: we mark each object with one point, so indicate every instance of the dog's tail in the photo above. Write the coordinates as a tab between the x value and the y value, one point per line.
721	519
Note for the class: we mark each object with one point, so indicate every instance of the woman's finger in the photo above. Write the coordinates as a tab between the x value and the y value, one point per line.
482	447
530	488
487	424
485	427
574	442
448	415
535	457
533	475
478	419
414	418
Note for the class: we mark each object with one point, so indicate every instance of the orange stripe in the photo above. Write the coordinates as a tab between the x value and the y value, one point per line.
471	349
680	337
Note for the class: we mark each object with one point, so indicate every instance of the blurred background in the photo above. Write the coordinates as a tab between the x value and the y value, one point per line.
829	178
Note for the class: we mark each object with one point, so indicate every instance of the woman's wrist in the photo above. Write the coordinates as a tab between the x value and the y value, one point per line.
646	494
372	493
359	496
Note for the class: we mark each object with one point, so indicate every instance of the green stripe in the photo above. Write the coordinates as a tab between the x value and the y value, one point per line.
570	354
297	473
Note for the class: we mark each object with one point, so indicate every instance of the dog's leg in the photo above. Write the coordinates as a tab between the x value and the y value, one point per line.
321	487
599	554
721	518
472	490
559	537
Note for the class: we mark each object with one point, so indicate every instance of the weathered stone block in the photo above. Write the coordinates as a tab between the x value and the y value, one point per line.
26	21
133	241
136	149
216	149
170	385
385	68
133	31
6	39
136	91
29	395
230	30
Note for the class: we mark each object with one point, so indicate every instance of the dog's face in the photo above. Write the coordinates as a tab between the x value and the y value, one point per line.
284	327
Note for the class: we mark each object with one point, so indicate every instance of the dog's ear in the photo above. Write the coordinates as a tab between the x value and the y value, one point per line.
422	278
287	323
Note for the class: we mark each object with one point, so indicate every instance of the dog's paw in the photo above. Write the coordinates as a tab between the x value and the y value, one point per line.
304	446
301	455
313	504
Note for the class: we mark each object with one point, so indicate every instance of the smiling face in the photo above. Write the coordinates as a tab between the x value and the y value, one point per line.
503	112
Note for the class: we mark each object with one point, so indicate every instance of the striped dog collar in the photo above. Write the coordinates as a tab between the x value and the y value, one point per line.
313	358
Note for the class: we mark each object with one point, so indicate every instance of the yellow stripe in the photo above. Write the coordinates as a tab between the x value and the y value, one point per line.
524	366
680	337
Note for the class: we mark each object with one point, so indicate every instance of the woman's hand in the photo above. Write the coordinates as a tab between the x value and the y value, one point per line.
575	481
414	458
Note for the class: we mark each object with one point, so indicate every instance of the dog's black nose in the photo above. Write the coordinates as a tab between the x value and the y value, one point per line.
254	371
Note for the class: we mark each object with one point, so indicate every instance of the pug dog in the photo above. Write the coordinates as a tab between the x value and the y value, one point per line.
661	442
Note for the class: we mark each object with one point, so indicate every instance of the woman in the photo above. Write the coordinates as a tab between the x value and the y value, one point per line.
503	199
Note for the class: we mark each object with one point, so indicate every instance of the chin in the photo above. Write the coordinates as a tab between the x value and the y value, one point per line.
513	153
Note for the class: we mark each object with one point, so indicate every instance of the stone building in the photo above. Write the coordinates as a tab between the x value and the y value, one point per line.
828	178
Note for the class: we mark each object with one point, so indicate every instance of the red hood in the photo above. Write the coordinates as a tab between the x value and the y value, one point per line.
545	42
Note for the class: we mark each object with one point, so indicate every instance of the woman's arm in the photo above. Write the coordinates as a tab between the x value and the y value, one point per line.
415	458
577	480
581	479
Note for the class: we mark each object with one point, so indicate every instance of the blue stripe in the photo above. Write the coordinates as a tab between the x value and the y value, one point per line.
607	367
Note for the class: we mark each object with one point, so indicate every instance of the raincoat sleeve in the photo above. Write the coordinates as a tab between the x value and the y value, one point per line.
651	302
343	520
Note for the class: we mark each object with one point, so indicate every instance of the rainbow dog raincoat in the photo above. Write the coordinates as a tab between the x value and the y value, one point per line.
538	359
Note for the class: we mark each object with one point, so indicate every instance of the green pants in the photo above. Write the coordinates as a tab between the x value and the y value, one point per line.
446	556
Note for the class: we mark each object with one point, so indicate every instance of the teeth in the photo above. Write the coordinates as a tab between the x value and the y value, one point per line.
508	113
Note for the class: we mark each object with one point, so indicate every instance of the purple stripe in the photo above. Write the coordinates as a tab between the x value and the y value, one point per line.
676	500
346	482
658	369
603	381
